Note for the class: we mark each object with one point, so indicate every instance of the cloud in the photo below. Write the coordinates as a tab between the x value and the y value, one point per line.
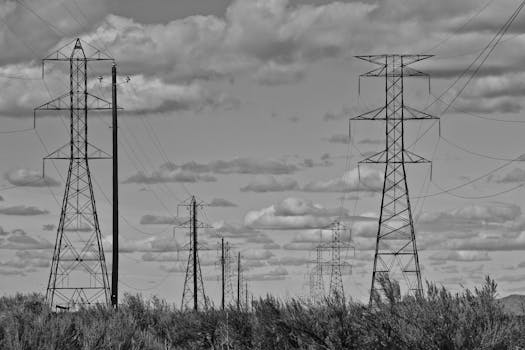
158	244
256	254
272	39
307	246
152	94
229	230
291	213
23	210
149	219
363	179
344	114
289	261
488	106
278	273
486	242
471	217
17	19
179	256
19	240
49	227
460	256
324	162
167	174
260	238
515	175
29	259
220	202
273	73
369	141
338	138
269	183
199	172
29	178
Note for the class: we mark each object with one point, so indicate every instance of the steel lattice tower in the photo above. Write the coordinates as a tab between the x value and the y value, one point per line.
227	274
78	275
335	264
316	280
396	253
193	294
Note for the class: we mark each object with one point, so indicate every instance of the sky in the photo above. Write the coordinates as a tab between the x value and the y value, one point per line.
245	104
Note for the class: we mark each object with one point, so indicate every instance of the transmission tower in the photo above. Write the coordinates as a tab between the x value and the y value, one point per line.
193	293
316	280
396	254
78	273
334	263
227	274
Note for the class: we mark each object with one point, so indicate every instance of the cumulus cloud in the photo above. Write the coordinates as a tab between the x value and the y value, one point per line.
168	173
369	141
23	210
149	219
221	202
260	238
339	138
201	172
19	240
48	227
471	217
271	183
514	175
158	244
289	261
272	39
273	73
256	254
460	256
487	242
29	178
278	273
152	94
363	179
344	114
292	213
230	230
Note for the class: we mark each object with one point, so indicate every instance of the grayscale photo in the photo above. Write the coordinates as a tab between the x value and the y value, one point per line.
262	174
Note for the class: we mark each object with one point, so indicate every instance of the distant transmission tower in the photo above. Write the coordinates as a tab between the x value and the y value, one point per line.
396	254
335	263
78	273
316	279
193	294
227	274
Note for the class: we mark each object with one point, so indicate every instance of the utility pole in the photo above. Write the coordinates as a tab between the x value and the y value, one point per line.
246	292
396	255
78	275
223	263
114	266
238	281
193	283
194	220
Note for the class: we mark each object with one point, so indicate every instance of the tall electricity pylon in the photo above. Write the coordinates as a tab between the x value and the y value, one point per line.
78	275
193	294
396	254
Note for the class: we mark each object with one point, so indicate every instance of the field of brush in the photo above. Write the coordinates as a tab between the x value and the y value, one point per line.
439	320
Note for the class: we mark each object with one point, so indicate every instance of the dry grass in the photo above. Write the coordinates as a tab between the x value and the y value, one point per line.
440	320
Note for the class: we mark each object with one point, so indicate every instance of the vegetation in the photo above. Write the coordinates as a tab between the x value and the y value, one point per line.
439	320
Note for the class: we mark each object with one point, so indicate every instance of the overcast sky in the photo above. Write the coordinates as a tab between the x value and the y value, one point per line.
245	104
